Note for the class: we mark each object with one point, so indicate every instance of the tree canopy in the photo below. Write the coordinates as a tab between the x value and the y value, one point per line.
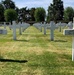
40	14
8	4
56	10
10	15
68	14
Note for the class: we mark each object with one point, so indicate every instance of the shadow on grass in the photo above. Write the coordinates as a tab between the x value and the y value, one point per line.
10	60
56	40
60	41
23	40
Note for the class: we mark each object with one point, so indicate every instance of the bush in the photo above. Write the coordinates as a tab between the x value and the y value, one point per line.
10	15
40	14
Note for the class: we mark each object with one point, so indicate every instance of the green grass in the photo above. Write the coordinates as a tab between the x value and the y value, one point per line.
44	57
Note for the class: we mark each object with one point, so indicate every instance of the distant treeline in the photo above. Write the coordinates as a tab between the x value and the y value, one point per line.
56	12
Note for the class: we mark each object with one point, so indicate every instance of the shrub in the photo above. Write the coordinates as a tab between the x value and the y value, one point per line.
10	15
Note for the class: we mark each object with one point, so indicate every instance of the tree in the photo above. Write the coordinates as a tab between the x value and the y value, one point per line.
24	14
58	5
1	13
40	14
10	15
68	14
8	4
32	12
51	13
56	10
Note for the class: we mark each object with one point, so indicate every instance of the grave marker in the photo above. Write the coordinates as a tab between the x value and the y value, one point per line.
14	26
3	31
38	26
71	32
45	27
20	32
24	26
52	28
70	25
61	25
14	30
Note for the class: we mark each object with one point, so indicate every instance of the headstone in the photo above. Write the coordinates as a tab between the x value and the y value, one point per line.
52	28
44	28
38	26
24	26
14	30
3	31
15	26
4	25
70	25
20	32
71	33
41	27
61	25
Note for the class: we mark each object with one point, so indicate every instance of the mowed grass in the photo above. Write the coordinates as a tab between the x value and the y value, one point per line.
44	57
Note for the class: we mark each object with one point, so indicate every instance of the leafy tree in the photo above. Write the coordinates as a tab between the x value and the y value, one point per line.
24	14
8	4
68	14
10	15
1	13
40	14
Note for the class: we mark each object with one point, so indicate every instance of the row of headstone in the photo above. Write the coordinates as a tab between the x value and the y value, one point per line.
69	31
61	25
50	26
24	26
19	26
38	26
47	26
44	25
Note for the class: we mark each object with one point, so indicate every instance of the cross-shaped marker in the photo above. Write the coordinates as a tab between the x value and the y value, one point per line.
52	28
71	33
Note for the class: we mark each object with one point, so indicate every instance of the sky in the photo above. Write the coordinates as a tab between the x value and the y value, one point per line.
40	3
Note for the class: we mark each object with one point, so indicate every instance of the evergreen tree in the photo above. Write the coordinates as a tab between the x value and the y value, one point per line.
32	12
57	10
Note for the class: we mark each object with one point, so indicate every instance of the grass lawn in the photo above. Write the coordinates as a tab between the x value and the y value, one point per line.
44	57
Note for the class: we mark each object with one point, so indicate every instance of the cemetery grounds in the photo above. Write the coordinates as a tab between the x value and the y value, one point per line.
44	57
